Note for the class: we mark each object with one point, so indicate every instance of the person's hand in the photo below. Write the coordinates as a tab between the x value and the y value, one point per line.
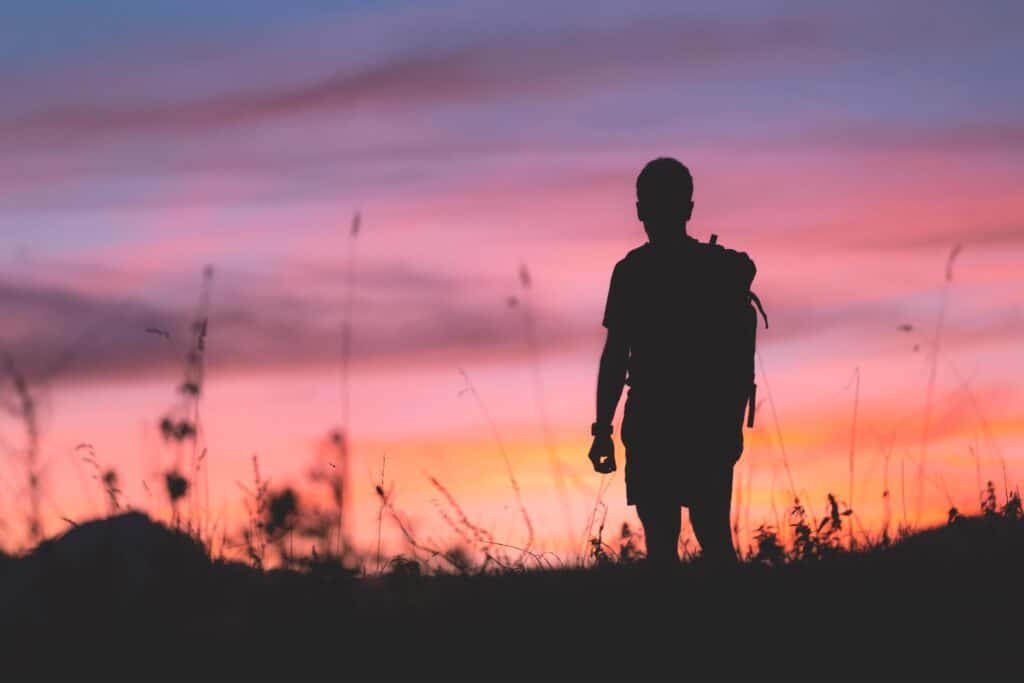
602	454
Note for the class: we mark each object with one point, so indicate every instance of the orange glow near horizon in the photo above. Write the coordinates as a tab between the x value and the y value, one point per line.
280	418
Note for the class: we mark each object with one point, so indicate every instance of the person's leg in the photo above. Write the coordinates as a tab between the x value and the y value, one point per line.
710	518
661	524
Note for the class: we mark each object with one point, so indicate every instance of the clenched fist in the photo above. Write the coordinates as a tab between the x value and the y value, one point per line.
602	454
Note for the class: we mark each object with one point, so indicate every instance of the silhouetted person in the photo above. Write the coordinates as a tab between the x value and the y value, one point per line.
679	323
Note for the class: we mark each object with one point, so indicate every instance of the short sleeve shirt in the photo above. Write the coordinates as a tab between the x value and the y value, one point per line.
664	301
618	298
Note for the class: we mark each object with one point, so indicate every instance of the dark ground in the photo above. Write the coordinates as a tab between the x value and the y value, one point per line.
937	601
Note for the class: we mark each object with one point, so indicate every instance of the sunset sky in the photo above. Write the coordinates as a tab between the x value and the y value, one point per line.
848	150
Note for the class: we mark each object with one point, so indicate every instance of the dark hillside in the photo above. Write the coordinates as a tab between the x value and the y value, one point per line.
948	594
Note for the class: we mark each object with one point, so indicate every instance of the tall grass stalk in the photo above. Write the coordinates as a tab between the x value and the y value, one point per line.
738	507
345	381
778	426
933	364
192	389
853	440
986	428
478	535
747	501
525	306
977	475
471	390
606	480
886	498
380	510
903	487
25	408
775	509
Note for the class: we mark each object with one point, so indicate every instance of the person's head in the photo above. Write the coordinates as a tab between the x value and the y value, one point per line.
664	198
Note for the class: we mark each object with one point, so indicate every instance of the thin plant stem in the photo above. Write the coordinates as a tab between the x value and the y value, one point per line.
470	389
853	440
533	348
932	375
345	388
778	426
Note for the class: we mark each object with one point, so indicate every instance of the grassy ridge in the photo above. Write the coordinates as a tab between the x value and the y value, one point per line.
948	593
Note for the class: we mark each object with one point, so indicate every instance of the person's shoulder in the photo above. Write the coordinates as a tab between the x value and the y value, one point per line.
636	256
633	259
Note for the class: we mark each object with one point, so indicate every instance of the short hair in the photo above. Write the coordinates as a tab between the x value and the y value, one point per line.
662	178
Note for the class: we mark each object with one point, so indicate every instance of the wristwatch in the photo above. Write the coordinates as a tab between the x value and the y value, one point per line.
599	429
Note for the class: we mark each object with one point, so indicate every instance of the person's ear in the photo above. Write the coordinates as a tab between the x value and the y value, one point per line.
639	212
689	212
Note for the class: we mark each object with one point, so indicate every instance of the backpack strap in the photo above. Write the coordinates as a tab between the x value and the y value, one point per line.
752	398
754	299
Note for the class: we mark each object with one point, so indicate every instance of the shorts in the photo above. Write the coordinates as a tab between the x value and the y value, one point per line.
672	457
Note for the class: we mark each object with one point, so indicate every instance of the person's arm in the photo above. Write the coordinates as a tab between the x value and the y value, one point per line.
610	380
611	376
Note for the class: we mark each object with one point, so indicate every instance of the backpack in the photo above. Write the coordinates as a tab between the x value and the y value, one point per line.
741	321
